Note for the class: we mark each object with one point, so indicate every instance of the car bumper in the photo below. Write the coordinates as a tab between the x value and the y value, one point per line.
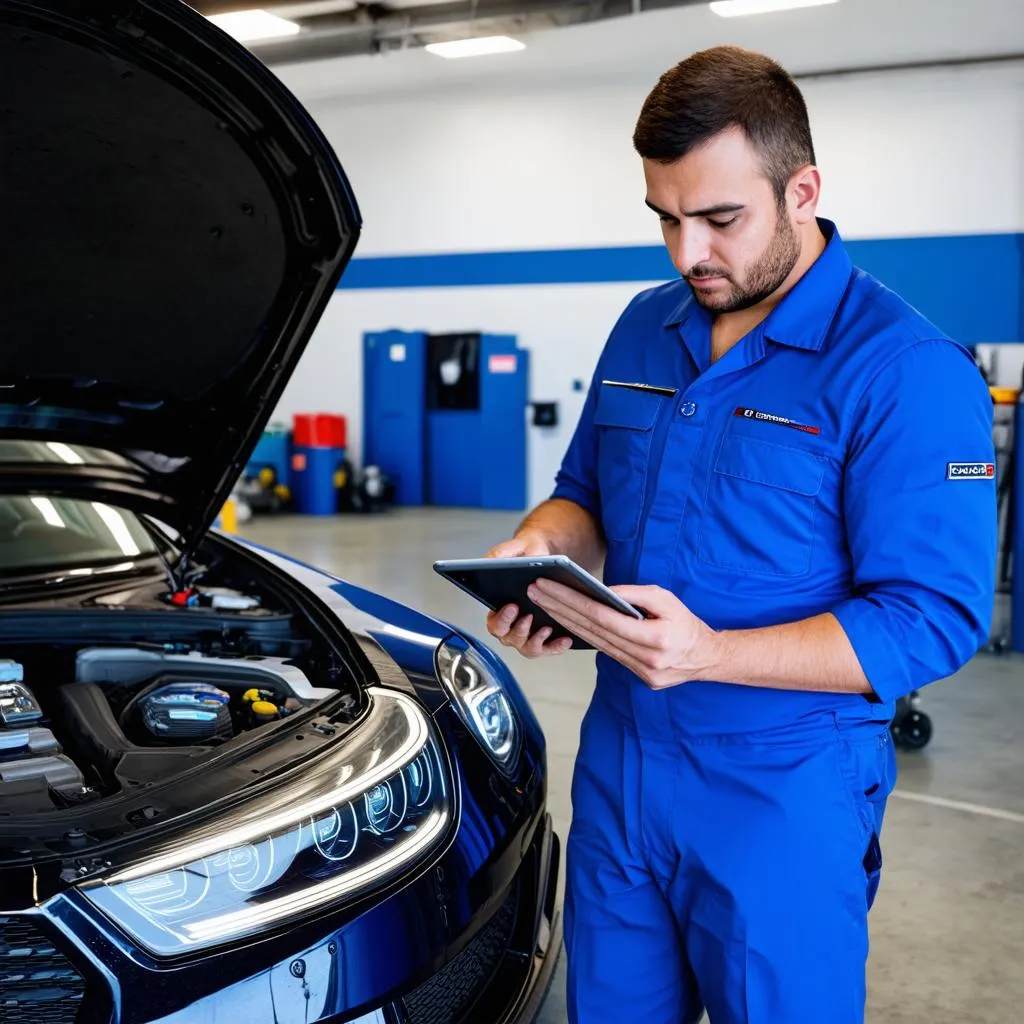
504	972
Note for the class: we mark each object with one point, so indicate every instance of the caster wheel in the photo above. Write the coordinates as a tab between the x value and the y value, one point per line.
913	731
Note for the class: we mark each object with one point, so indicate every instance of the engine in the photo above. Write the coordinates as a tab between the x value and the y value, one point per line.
131	717
31	760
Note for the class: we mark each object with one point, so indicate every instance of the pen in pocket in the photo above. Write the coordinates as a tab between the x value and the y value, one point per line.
655	388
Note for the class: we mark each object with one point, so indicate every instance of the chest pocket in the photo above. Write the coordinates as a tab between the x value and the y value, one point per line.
625	420
759	514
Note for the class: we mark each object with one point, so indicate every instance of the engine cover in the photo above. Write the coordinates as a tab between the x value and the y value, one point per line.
60	773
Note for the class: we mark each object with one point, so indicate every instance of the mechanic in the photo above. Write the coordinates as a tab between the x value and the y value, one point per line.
791	471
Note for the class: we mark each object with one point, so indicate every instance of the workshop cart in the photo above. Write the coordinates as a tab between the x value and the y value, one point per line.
911	727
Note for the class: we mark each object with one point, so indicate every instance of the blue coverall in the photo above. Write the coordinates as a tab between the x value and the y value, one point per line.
724	848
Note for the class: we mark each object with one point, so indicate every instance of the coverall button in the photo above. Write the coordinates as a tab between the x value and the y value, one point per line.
688	408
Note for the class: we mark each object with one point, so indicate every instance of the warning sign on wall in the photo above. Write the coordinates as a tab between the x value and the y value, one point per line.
502	364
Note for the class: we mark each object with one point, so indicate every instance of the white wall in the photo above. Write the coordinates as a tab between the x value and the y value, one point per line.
563	326
496	163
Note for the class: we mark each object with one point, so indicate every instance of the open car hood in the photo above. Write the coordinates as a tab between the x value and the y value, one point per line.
174	224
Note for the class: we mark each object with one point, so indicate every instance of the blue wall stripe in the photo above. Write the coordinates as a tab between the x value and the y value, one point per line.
970	285
542	266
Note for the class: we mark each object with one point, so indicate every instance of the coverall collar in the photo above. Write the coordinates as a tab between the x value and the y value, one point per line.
803	318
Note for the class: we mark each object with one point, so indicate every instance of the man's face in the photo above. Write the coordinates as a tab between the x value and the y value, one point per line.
724	229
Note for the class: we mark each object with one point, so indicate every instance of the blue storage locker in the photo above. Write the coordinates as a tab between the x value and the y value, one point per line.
504	394
394	400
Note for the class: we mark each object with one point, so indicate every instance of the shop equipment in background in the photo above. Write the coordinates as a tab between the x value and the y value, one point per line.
445	417
318	464
265	485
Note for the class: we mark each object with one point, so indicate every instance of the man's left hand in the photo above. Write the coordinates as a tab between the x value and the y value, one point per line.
670	647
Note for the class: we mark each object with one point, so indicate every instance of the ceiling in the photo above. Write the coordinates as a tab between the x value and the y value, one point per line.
346	28
852	36
814	39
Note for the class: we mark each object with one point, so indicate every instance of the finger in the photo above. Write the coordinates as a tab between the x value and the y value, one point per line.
541	644
651	599
503	619
553	597
507	549
611	642
519	634
534	647
606	645
559	646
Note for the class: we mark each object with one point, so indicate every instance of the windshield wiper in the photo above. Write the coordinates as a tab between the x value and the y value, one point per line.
43	578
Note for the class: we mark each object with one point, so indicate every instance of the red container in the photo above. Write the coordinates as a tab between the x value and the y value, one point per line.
319	430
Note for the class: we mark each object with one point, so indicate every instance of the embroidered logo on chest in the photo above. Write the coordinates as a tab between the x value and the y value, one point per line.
779	421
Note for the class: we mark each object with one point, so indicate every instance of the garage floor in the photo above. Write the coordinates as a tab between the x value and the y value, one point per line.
948	928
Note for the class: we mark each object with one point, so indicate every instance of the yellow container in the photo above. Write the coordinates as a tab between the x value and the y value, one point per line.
1004	396
229	516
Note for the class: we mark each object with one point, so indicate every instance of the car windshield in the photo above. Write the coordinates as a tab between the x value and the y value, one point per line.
38	533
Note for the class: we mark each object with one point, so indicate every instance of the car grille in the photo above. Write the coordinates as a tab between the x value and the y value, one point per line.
38	985
448	996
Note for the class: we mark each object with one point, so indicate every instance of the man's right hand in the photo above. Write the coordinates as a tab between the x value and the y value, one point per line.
506	624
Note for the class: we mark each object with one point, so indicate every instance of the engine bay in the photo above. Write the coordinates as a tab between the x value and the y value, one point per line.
124	711
124	717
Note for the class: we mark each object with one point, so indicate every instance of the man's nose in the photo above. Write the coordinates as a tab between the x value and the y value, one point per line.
691	248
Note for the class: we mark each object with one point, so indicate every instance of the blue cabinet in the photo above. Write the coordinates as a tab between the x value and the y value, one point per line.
445	417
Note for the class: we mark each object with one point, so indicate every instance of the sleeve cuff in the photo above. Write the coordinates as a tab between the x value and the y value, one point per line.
568	491
881	655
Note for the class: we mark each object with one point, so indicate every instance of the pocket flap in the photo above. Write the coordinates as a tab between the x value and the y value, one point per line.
775	465
623	407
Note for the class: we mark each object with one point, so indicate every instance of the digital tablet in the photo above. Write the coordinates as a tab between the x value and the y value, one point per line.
496	582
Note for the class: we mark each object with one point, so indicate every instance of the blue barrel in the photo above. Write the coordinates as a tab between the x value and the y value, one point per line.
271	452
315	480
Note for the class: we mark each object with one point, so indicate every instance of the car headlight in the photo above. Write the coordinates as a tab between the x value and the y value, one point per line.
482	701
355	819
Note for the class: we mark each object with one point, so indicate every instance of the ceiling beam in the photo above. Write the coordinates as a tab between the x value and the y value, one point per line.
371	28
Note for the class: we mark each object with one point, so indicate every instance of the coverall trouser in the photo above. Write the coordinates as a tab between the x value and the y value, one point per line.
726	873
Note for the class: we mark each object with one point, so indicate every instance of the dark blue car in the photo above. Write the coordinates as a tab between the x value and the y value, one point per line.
233	788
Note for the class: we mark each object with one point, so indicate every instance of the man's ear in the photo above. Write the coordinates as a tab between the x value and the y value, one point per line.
803	194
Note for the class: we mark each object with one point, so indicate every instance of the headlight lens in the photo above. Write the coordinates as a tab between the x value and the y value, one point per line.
355	819
482	701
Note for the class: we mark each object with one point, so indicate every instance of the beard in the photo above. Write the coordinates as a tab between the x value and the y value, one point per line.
763	277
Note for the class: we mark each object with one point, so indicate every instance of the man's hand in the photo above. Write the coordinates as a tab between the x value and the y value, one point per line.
506	624
671	646
524	544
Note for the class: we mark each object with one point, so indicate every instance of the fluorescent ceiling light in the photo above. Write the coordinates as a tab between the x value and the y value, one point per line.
475	47
246	26
736	8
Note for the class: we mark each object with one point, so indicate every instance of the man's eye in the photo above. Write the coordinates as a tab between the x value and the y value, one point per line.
722	223
665	219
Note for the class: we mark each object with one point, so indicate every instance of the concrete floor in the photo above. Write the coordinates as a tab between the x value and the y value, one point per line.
948	927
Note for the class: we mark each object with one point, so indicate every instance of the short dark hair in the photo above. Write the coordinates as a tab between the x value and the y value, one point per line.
721	88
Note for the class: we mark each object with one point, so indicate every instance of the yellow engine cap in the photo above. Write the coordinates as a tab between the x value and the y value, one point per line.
264	707
250	695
